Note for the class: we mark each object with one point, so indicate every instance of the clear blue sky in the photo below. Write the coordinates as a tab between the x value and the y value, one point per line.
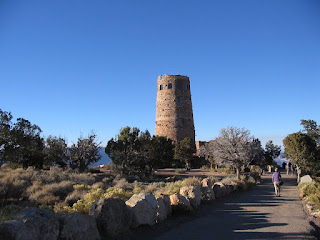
75	66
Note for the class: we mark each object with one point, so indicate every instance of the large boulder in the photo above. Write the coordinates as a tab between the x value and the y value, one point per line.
161	211
39	224
180	204
229	189
14	230
112	215
193	194
207	194
306	179
144	208
77	226
219	189
167	203
206	182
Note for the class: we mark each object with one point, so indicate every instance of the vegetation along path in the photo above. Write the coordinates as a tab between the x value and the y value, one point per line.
256	214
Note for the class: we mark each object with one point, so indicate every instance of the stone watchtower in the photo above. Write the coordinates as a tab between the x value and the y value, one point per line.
174	117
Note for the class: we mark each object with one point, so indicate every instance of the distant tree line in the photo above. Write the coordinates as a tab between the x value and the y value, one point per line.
21	145
303	147
134	152
137	153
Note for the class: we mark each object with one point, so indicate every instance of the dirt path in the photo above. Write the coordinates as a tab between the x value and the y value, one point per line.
256	214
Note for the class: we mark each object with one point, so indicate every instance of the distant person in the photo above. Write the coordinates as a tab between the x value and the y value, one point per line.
276	179
288	167
284	165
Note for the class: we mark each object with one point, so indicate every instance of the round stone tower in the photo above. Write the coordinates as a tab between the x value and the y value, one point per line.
174	117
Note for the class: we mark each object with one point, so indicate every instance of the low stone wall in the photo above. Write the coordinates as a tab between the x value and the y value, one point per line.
112	216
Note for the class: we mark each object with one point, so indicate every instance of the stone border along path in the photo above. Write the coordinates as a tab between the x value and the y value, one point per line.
254	214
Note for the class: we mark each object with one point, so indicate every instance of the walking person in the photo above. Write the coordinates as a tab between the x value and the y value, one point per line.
276	179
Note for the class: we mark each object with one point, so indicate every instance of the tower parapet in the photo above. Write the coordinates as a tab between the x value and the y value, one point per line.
174	116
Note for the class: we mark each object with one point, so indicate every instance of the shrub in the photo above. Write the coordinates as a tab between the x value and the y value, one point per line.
118	193
98	185
172	187
315	198
250	182
110	166
83	178
137	190
192	181
36	183
307	189
8	212
13	189
81	187
5	188
256	169
229	179
83	205
154	187
60	190
42	197
73	197
122	183
62	208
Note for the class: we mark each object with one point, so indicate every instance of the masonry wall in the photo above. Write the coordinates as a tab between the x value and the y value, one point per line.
174	115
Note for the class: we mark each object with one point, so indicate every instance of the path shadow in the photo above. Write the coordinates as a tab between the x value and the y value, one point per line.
227	218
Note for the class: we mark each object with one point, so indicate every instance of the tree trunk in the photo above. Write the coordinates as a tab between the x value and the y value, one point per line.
238	172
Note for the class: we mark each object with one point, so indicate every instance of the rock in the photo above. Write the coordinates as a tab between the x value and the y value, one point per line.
144	209
112	215
306	179
193	194
206	182
234	185
229	189
77	226
161	211
39	224
219	190
207	194
180	204
167	203
14	230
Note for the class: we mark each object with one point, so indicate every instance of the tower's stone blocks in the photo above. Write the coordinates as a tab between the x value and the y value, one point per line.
174	117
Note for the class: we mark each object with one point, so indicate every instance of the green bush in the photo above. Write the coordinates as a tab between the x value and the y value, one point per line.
172	187
8	212
306	189
83	205
81	187
118	193
191	181
315	198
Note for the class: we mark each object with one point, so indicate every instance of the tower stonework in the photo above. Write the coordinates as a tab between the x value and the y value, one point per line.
174	116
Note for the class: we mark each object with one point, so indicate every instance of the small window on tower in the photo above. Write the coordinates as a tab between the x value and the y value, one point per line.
179	86
161	87
186	86
178	100
170	86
